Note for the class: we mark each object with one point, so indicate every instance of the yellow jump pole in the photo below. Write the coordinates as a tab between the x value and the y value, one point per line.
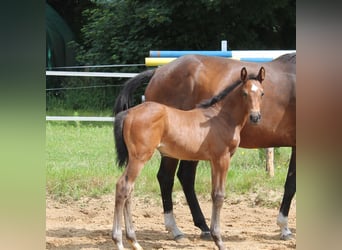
157	61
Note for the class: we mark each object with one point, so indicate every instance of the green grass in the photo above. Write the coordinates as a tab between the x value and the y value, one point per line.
80	161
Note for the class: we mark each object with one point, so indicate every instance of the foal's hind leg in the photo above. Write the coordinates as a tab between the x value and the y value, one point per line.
130	233
123	196
290	190
120	199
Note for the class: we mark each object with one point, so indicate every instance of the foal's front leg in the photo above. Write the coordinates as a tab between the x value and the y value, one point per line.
218	173
123	200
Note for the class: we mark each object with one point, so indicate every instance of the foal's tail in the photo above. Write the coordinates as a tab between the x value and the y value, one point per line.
120	145
124	99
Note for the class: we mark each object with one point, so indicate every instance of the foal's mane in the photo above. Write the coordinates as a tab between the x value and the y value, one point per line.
209	102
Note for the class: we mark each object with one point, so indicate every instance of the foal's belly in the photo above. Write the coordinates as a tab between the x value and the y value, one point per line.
185	151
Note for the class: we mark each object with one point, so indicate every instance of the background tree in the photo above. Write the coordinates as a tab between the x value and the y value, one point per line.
124	31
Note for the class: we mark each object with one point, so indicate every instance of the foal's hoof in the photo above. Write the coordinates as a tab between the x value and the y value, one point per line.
285	236
180	238
206	235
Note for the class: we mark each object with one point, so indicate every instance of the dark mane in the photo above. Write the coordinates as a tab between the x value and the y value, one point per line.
209	102
290	57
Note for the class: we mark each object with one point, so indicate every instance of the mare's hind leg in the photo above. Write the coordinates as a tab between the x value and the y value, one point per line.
165	177
290	190
186	175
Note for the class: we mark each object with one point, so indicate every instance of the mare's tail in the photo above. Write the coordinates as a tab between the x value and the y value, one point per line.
120	145
124	99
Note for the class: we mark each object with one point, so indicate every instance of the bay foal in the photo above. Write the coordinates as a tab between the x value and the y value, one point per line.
210	132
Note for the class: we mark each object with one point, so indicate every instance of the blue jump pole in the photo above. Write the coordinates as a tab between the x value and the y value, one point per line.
175	53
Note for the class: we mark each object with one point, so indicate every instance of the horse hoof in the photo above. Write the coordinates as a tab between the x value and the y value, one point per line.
286	236
180	238
206	235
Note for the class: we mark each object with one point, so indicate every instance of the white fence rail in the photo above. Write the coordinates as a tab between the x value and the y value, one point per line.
91	74
80	118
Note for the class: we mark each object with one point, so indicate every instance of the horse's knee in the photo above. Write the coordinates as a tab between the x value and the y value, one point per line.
218	199
121	190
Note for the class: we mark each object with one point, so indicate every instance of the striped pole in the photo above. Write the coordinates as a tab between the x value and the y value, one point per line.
157	61
228	53
162	57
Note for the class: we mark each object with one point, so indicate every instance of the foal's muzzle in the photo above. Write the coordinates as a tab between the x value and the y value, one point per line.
255	117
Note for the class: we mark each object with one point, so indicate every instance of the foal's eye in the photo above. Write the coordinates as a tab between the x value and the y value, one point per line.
262	94
244	93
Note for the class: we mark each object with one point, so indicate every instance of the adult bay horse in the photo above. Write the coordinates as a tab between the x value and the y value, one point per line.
210	132
188	80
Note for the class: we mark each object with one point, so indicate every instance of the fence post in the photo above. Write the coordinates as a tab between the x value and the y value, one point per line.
224	45
270	161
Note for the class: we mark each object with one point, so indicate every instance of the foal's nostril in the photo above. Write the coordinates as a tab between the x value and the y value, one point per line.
255	117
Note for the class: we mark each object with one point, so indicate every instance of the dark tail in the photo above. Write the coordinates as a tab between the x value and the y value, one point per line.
121	148
124	99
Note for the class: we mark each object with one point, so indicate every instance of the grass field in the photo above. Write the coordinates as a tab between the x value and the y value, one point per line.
80	161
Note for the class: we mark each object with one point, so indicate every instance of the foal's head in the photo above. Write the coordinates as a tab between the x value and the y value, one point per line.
252	92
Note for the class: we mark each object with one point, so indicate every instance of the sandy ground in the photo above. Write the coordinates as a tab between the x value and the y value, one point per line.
246	223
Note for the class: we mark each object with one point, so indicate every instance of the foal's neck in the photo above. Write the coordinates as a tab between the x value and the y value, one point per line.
231	109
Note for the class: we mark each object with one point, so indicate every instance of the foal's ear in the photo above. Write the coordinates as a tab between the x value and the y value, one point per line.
261	74
243	74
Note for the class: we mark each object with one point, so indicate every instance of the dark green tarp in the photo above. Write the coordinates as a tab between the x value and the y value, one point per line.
58	35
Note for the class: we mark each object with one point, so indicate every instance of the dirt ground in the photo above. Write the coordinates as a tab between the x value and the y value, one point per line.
246	223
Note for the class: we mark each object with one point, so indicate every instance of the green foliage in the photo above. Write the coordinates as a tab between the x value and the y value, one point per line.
124	31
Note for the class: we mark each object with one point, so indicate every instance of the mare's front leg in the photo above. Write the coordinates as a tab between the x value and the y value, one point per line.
219	169
290	190
186	175
165	177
